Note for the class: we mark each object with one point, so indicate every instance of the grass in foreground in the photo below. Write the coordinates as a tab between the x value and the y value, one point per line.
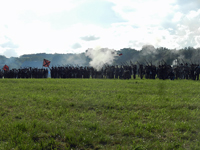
99	114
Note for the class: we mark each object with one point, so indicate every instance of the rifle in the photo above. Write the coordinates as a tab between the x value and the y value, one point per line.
146	62
107	65
178	62
191	61
164	62
131	63
123	64
126	63
151	63
183	61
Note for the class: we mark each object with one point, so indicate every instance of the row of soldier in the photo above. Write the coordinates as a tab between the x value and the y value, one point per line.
125	71
164	71
106	71
25	73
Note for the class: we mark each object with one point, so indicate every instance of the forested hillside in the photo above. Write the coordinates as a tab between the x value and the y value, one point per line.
148	54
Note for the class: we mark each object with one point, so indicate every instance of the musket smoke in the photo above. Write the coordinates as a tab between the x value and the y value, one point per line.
100	57
148	49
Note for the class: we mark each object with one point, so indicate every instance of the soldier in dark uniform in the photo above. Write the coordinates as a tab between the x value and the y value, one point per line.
126	73
121	71
186	71
1	74
197	71
116	72
171	75
141	71
134	71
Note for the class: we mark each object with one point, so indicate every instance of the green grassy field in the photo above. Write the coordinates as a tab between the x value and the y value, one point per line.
99	114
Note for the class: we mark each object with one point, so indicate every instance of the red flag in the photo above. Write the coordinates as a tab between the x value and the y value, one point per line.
46	63
120	54
6	68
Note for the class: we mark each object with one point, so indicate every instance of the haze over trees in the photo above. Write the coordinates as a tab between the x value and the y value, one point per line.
148	54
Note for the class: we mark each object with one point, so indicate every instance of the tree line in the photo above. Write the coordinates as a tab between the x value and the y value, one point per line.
148	54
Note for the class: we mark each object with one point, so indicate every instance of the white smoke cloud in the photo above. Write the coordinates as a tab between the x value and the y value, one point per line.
148	49
178	60
101	56
175	62
76	59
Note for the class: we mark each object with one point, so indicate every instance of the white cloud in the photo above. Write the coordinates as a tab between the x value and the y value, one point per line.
10	53
177	17
193	14
57	26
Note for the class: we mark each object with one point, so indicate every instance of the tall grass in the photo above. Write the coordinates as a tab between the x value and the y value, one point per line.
99	114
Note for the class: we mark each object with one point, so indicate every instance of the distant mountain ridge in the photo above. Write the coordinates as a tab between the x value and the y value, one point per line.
148	54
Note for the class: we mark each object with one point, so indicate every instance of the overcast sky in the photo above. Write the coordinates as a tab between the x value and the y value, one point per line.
73	26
